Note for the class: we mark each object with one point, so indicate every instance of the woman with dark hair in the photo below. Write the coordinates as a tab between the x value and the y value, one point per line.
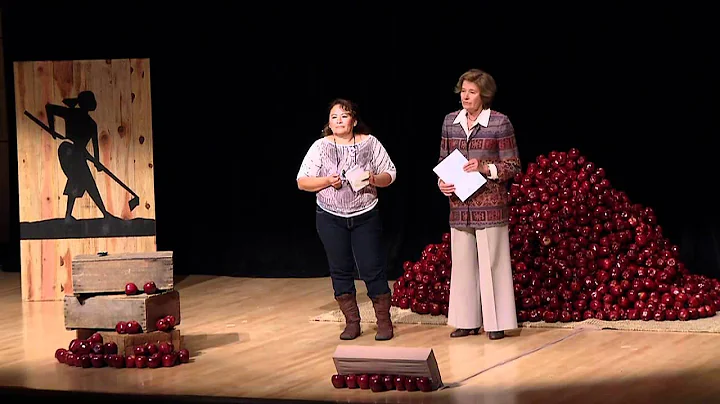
344	168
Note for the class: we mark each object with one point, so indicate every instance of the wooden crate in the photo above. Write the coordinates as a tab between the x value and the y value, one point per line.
103	312
126	342
418	362
92	273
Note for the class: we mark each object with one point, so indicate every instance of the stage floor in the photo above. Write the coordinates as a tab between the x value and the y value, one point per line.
253	338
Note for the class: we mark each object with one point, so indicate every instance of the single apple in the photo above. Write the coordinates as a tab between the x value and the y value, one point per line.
117	361
111	348
410	383
363	381
73	347
98	348
97	360
96	337
171	320
84	347
351	381
70	358
133	327
338	381
151	348
376	384
389	382
141	362
154	361
131	289
121	327
150	288
130	361
162	325
168	360
423	384
399	383
166	347
184	356
140	350
61	354
85	361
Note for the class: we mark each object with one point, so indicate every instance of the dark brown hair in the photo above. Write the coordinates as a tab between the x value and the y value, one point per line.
484	80
351	108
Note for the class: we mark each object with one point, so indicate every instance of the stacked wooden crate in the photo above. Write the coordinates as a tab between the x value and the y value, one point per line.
99	301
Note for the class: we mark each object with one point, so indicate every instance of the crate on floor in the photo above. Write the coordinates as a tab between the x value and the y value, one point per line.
103	312
93	273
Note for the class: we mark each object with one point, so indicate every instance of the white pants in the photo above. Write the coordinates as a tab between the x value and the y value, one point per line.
481	267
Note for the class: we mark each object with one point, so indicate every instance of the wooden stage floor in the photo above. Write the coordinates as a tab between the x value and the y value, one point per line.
253	339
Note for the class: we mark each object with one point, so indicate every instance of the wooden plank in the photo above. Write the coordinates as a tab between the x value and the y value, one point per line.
126	342
414	362
110	274
103	312
53	227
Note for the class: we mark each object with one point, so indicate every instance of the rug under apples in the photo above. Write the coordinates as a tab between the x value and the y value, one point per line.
407	316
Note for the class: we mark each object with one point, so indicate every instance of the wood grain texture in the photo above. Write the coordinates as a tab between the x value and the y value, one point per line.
103	312
121	89
109	274
254	339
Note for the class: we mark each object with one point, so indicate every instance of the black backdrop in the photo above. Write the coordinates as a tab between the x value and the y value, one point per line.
239	95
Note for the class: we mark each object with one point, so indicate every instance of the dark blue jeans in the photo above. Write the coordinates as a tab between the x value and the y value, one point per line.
351	242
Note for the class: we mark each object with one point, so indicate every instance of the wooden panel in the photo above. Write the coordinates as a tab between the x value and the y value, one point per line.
103	312
416	362
108	274
70	205
126	342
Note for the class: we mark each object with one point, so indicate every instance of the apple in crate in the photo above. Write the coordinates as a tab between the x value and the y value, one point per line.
162	325
170	320
150	288
133	327
121	327
131	289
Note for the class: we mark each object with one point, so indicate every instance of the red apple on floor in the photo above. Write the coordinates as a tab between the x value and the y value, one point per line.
338	381
97	360
162	325
399	383
70	358
85	361
140	350
168	360
121	327
61	354
410	383
130	361
96	337
84	347
116	361
166	347
154	361
131	289
150	288
423	384
141	362
376	384
184	356
133	327
364	381
111	348
351	381
389	382
151	348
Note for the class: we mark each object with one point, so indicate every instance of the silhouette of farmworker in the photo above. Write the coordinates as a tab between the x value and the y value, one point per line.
80	128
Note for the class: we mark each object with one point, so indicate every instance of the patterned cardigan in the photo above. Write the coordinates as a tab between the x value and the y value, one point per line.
494	144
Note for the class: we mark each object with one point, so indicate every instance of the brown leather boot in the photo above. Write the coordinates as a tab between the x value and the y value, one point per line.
349	307
381	304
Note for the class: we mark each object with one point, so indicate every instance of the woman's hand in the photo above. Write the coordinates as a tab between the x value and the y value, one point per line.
334	181
446	189
474	165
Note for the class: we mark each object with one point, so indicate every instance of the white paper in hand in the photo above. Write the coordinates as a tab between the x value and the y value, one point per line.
450	170
358	178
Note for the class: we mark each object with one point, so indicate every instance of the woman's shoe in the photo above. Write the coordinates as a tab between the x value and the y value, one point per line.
464	332
496	334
